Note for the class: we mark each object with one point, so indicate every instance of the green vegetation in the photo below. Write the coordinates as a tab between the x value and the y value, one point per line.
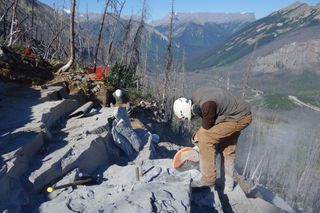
305	86
138	95
307	81
18	48
310	97
277	102
120	76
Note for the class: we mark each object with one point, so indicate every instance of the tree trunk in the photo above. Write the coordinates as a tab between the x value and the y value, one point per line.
168	67
46	54
72	51
99	37
79	33
32	24
249	155
4	28
88	40
13	22
183	72
125	46
4	19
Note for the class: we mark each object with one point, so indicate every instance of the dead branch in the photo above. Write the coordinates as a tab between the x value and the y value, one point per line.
53	39
6	11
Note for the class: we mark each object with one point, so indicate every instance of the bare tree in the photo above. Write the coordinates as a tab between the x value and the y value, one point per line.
145	67
55	37
79	28
134	59
72	49
248	156
4	19
88	38
183	72
32	25
13	23
112	30
125	42
100	35
6	10
169	63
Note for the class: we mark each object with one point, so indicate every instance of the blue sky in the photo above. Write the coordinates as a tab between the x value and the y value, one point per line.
160	8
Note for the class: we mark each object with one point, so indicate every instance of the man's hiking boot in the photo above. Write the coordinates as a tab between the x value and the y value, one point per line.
201	183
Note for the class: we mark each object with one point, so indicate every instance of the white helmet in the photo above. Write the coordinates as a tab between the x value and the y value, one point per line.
182	108
118	93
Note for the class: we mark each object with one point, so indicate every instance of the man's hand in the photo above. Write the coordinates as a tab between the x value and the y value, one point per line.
194	139
202	135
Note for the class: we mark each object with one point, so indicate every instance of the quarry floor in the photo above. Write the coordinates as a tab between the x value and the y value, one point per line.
47	138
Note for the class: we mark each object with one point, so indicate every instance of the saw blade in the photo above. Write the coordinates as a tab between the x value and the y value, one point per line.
185	154
188	165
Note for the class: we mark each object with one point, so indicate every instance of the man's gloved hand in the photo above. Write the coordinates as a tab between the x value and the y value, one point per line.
202	135
194	139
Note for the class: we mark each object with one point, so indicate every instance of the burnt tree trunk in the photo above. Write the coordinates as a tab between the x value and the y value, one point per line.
100	35
13	22
72	50
168	69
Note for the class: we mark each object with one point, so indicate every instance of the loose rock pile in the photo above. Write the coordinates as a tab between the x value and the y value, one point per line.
85	82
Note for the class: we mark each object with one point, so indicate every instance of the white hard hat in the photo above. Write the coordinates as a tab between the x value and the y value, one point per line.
118	93
182	108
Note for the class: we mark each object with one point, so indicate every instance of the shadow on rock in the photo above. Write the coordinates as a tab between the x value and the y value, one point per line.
202	200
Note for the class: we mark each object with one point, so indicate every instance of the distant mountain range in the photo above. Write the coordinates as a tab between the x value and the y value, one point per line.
197	33
194	33
204	18
285	39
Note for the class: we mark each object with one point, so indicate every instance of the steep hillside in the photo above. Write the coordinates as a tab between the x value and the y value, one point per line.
50	31
260	33
154	42
39	22
295	52
200	32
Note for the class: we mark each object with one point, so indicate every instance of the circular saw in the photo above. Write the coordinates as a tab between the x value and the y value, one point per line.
186	159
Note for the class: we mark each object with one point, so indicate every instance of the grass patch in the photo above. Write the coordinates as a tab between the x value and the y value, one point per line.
305	82
278	102
310	97
138	95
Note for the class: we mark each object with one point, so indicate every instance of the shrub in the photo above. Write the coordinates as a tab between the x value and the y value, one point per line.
120	76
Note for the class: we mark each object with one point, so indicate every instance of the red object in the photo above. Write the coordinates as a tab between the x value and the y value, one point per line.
183	155
28	52
101	72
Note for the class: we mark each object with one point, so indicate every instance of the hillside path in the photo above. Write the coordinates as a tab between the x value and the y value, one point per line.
295	100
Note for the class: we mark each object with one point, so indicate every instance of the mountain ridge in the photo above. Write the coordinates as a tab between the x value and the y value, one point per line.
197	33
261	32
206	17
